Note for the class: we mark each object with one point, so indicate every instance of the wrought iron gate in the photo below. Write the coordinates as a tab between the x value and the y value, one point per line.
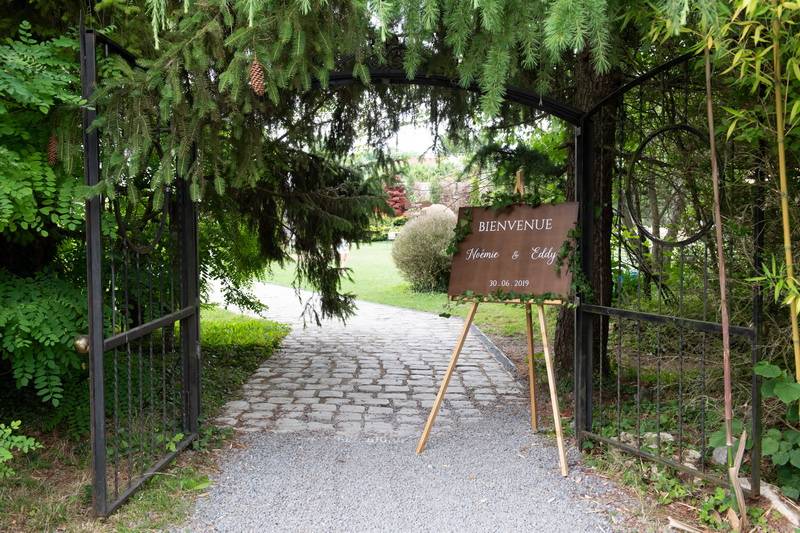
142	271
656	392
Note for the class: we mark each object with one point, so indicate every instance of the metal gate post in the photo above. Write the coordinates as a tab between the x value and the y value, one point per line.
190	326
583	322
94	252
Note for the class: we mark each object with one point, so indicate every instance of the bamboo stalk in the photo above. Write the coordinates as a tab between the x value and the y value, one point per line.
723	296
723	278
784	186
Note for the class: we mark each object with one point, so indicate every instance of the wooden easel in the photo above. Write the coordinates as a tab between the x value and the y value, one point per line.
551	377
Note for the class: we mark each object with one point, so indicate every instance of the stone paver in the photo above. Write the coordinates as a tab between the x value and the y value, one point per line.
378	374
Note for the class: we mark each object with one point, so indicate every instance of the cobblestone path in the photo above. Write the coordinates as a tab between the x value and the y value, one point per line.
378	374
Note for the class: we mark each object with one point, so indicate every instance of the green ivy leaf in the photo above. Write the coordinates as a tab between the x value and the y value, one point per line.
769	446
792	436
791	492
767	370
780	458
787	392
794	458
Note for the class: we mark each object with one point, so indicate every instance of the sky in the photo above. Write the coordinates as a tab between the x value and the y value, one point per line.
412	139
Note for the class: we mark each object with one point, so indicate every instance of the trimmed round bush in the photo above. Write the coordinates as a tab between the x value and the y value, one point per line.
420	250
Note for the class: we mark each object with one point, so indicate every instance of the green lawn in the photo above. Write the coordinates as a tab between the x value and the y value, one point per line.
376	279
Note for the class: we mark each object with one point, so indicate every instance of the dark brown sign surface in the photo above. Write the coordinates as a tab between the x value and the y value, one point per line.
514	250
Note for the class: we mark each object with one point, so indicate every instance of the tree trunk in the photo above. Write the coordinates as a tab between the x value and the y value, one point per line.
591	87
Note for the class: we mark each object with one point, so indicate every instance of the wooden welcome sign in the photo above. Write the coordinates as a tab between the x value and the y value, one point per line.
512	251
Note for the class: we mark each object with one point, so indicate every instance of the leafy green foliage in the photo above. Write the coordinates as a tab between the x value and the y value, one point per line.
381	228
39	319
784	289
41	210
38	98
712	508
669	488
39	75
782	444
499	200
9	442
574	24
491	40
230	258
462	229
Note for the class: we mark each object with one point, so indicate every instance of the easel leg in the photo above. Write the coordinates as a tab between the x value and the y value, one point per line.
437	403
551	380
531	367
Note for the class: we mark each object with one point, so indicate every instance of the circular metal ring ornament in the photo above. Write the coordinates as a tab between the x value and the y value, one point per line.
635	215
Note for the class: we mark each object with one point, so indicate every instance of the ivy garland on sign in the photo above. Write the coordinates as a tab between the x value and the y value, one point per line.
569	252
501	200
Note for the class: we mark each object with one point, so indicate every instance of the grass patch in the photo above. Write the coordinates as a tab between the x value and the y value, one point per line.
52	489
234	346
375	278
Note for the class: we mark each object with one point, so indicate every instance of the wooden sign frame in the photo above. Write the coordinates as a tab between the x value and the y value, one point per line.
551	379
519	249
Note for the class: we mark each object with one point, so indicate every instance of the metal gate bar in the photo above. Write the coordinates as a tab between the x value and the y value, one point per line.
133	435
94	250
696	325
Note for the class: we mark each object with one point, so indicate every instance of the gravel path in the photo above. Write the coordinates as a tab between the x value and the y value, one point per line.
492	476
356	470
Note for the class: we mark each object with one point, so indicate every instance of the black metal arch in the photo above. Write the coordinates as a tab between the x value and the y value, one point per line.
513	94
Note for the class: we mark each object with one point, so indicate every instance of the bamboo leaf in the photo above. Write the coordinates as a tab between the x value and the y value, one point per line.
731	129
795	109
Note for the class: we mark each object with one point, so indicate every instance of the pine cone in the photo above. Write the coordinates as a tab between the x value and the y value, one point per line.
257	77
52	150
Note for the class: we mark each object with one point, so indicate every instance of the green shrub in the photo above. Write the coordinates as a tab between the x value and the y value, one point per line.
380	229
420	250
39	319
9	443
39	98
